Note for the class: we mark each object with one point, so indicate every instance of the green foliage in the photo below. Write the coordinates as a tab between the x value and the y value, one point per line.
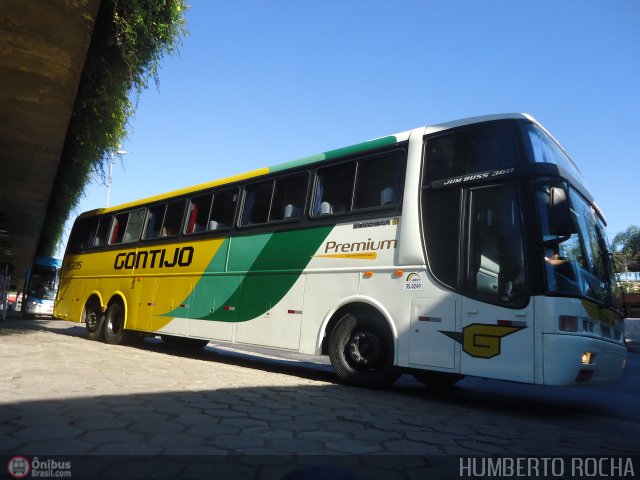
129	41
626	250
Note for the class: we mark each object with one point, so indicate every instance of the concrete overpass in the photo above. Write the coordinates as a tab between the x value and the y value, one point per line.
43	45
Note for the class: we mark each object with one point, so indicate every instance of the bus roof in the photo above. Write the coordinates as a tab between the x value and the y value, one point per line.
48	262
329	155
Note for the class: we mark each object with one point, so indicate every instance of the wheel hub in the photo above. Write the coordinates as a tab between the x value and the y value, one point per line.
364	349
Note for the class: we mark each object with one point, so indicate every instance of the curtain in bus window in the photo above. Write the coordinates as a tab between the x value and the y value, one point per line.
118	228
155	216
198	214
257	201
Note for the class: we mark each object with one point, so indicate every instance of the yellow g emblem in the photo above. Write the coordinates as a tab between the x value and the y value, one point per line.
480	340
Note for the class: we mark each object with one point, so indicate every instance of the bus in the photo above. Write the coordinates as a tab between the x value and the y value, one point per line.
40	287
471	247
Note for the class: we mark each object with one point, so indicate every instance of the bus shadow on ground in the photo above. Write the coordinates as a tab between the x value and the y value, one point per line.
573	404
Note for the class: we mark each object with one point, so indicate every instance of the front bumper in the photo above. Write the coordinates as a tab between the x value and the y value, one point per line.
563	360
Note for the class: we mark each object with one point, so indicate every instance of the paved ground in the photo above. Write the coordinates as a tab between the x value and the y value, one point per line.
61	394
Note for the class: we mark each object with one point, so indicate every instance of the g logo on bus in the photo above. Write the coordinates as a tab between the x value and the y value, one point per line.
480	340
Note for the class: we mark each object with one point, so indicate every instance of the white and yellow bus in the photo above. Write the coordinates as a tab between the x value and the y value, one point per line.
466	248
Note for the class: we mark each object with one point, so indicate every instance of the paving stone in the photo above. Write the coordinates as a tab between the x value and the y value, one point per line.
234	442
412	448
171	439
126	448
294	445
58	419
69	446
46	432
110	436
208	430
243	422
102	423
357	447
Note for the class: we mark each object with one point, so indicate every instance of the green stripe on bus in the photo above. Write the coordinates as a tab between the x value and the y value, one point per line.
333	154
272	264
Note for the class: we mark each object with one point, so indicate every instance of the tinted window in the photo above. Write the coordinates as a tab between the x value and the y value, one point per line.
163	220
126	227
257	199
273	200
334	187
378	182
223	210
198	216
482	148
118	228
496	254
289	197
367	183
103	232
134	225
441	213
83	234
543	149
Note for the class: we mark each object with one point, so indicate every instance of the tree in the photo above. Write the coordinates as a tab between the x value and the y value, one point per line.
130	38
626	250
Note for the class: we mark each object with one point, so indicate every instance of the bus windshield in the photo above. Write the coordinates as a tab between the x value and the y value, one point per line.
43	283
576	257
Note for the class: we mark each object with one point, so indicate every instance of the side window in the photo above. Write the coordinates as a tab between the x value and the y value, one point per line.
289	197
496	253
198	215
126	227
440	212
257	199
118	228
153	225
223	210
134	225
163	220
83	234
103	232
333	189
378	181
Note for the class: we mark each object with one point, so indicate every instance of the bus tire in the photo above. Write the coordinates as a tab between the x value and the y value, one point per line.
437	379
114	332
361	351
94	320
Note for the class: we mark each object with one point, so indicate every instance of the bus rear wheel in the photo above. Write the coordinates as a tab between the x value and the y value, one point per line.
361	351
94	320
114	331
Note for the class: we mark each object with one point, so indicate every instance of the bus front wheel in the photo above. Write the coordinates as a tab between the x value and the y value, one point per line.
94	320
361	351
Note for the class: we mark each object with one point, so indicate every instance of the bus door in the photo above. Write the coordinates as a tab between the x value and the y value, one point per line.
497	318
427	346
